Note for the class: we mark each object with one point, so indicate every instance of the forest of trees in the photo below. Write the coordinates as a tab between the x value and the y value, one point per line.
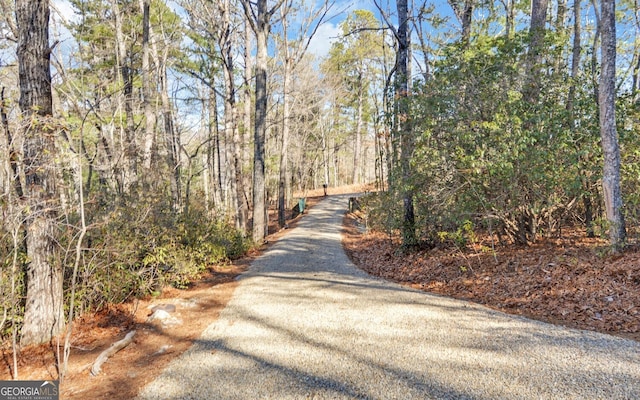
143	140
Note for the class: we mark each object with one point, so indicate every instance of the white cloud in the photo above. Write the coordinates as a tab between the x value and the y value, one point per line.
325	36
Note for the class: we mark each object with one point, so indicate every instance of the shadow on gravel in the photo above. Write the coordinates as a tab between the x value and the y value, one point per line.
525	351
313	385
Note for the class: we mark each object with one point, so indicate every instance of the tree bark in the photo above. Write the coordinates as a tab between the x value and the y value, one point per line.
406	136
260	24
128	145
575	59
610	148
509	9
231	116
575	70
635	76
536	49
171	135
43	316
635	86
149	115
230	108
248	75
260	128
357	148
594	53
464	13
561	17
283	184
215	168
172	138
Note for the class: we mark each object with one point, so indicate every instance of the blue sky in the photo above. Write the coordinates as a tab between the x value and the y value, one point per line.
330	30
321	43
319	46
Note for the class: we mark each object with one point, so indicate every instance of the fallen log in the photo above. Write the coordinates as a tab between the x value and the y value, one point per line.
113	349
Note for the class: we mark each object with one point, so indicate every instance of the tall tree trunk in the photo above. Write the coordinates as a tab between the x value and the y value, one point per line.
149	115
43	315
231	114
215	167
467	15
283	183
607	97
241	208
575	59
561	18
536	50
172	137
230	129
464	13
325	156
509	8
406	135
635	78
635	86
241	204
244	139
357	148
206	179
594	53
128	144
575	70
260	130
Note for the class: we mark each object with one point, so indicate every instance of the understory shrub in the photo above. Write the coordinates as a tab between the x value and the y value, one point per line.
137	251
489	157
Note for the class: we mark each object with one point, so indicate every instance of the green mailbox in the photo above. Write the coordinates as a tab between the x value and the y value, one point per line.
301	203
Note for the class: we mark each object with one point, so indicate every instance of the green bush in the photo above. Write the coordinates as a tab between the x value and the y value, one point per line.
136	251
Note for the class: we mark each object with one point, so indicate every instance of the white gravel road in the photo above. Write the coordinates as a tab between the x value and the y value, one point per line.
306	324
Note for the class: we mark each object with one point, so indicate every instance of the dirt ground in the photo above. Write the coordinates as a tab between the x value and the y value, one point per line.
570	281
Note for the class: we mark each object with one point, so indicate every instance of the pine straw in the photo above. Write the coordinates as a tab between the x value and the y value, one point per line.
569	281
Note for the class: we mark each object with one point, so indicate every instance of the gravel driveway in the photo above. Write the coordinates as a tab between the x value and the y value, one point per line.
306	324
